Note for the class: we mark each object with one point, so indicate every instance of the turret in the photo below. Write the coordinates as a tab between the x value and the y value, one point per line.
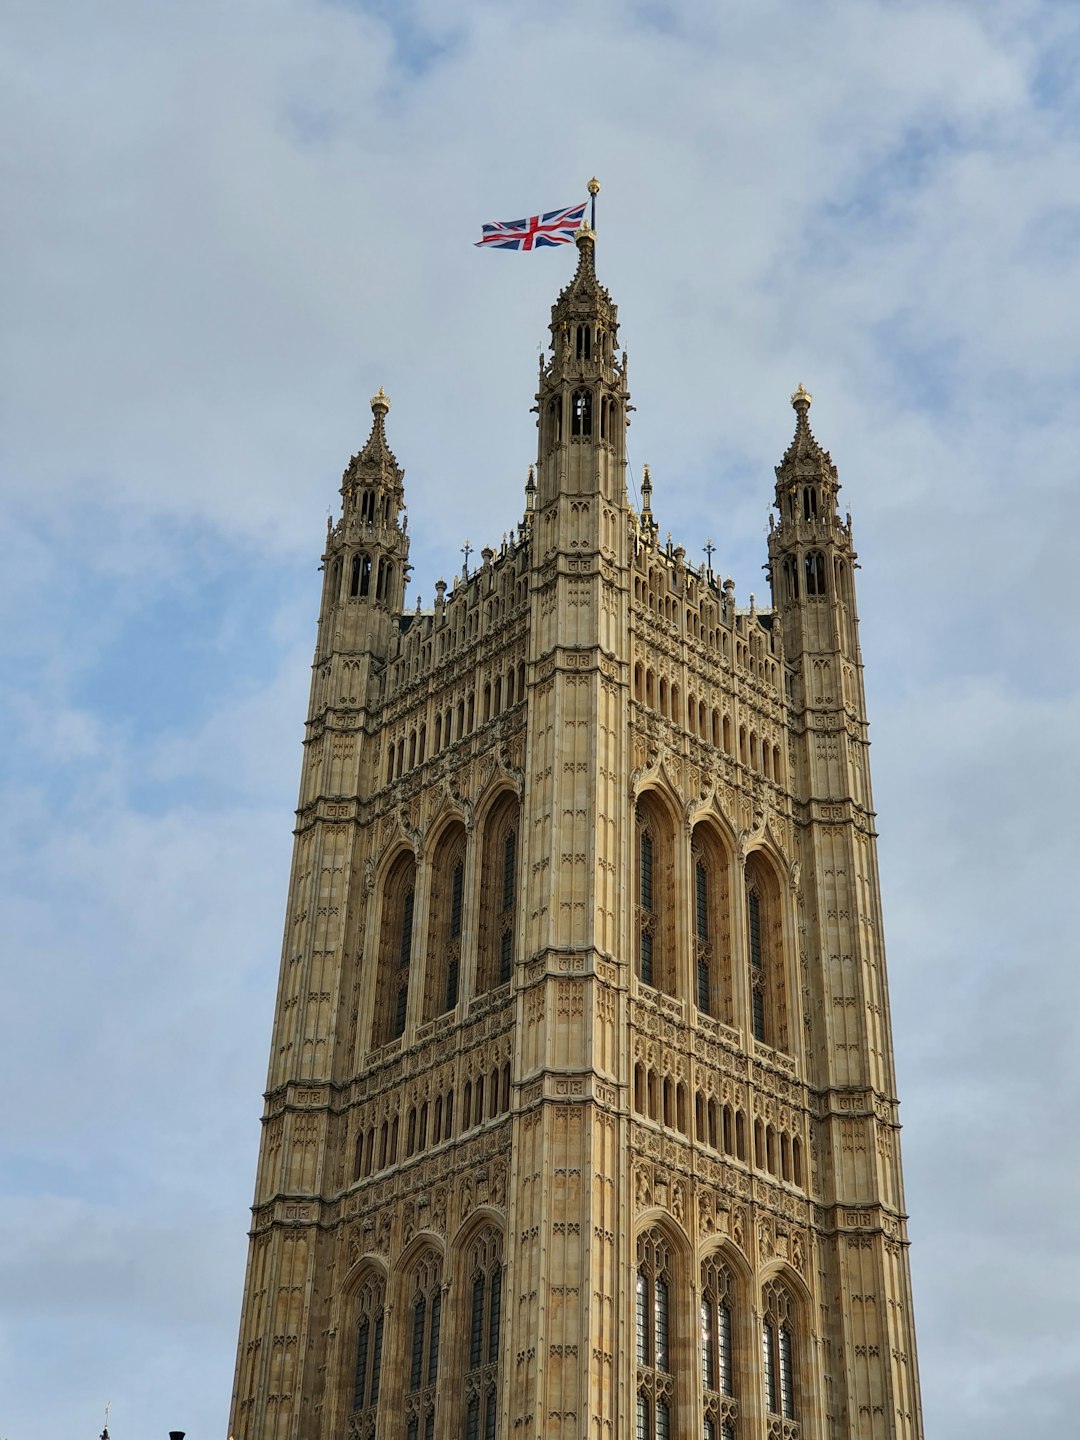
810	552
367	551
582	400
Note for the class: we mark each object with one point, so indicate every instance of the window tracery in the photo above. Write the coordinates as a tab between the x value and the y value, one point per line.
653	1319
778	1346
395	952
367	1358
424	1318
484	1281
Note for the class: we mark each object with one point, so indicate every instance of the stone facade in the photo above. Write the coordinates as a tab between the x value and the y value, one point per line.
581	1119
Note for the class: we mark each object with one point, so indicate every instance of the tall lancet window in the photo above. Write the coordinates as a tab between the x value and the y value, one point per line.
581	412
484	1282
646	913
778	1342
367	1358
718	1380
424	1322
765	952
653	1316
395	952
447	922
711	921
498	895
653	910
757	964
815	573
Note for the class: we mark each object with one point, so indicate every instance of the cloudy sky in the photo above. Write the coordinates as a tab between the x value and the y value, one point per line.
224	224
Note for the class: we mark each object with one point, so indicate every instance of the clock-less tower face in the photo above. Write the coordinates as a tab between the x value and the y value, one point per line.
580	1119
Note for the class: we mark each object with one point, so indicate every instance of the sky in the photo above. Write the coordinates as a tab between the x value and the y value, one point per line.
225	224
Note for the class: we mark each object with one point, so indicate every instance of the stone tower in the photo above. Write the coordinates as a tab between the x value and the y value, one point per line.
581	1121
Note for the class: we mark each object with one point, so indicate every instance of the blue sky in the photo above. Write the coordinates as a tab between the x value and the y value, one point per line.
225	225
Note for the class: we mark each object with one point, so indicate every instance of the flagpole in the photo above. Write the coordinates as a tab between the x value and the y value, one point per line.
593	187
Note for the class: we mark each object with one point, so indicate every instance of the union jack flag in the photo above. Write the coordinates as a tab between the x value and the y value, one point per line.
557	227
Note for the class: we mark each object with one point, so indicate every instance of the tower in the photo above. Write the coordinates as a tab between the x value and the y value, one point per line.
581	1120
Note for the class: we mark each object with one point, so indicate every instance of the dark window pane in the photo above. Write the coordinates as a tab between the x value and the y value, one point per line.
360	1380
509	869
433	1340
476	1326
787	1379
456	886
646	957
376	1362
646	870
416	1369
495	1314
406	927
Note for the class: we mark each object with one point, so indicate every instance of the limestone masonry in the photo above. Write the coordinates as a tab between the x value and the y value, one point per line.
581	1120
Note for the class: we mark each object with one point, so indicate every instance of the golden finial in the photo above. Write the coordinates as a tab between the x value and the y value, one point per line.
802	396
584	232
380	401
594	186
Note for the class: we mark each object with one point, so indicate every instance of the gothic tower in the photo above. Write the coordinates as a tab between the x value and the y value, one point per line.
581	1119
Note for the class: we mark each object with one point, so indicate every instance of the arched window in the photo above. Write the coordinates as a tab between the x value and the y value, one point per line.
367	1357
655	914
653	1313
583	342
483	1288
385	580
367	506
815	573
717	1340
778	1340
711	922
424	1319
768	995
646	913
581	413
395	952
554	420
498	889
354	576
446	924
809	500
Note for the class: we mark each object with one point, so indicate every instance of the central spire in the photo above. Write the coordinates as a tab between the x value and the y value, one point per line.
582	400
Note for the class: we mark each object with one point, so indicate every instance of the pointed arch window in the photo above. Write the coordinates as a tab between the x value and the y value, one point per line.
654	1335
395	952
367	506
581	408
554	412
647	915
815	574
778	1340
446	923
484	1287
809	500
757	964
425	1326
702	945
718	1379
583	342
506	927
499	895
367	1359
